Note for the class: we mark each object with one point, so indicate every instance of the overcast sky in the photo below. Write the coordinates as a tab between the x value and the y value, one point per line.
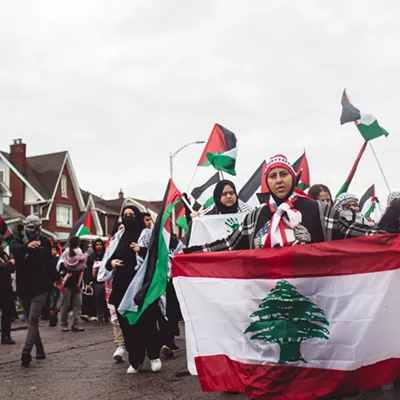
121	84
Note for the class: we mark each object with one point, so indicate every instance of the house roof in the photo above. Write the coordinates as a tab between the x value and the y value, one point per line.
43	171
11	214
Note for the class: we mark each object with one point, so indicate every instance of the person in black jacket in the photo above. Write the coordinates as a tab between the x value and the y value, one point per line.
7	267
91	271
35	276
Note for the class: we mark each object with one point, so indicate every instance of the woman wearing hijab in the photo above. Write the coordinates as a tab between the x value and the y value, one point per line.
119	264
320	192
347	201
287	218
226	200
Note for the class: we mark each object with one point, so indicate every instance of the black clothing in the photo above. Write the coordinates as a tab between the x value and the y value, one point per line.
73	281
6	295
35	267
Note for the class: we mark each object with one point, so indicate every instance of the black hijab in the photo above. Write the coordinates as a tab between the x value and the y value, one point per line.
133	224
219	188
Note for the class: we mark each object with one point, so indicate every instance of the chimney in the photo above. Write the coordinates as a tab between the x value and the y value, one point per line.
18	155
121	194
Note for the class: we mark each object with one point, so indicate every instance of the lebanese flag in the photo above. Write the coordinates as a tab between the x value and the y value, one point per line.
220	150
84	224
367	202
295	323
150	281
256	184
303	172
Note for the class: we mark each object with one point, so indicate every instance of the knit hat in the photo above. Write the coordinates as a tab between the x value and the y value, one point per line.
343	199
279	161
392	197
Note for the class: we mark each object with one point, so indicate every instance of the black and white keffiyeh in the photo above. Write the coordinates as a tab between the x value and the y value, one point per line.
343	199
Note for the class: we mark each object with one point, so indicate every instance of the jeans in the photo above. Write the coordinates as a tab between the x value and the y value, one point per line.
71	299
33	309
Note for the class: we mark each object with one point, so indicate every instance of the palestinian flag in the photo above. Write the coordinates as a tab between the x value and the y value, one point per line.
84	224
368	202
220	150
107	242
256	184
204	195
346	185
5	232
367	124
303	172
59	249
309	326
181	220
150	282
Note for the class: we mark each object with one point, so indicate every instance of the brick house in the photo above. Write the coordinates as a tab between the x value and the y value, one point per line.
45	185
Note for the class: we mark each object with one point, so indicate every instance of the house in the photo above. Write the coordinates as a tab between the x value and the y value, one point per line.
45	185
106	213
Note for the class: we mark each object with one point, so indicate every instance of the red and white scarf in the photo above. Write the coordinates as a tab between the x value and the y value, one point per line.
280	227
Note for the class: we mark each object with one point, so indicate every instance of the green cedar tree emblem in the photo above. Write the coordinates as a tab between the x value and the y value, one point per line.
287	318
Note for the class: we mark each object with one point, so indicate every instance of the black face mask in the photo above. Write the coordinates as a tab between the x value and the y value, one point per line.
129	221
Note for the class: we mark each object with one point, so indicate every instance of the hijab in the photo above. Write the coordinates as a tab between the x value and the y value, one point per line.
133	224
343	199
221	208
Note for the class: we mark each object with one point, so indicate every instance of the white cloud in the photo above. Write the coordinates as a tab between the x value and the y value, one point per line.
122	84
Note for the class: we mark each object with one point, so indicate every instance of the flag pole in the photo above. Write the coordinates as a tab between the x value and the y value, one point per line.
221	175
380	167
187	204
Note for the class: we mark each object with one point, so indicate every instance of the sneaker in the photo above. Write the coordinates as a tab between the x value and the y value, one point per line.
132	370
167	352
93	319
85	318
77	329
119	354
156	365
40	354
7	340
26	360
64	329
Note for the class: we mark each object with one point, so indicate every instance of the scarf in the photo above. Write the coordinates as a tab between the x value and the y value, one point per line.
343	199
392	197
76	263
277	236
32	228
219	188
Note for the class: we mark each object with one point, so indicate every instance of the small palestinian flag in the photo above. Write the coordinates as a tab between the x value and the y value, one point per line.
256	184
59	249
84	224
150	282
368	202
303	172
346	185
204	194
5	232
220	150
367	124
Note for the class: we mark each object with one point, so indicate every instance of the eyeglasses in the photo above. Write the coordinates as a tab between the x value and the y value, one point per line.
230	193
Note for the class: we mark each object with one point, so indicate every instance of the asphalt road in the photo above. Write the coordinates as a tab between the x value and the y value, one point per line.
79	366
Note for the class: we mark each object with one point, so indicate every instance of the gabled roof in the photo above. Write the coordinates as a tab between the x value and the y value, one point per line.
43	172
11	214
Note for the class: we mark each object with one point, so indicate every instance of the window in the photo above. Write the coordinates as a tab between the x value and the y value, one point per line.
64	186
35	209
2	176
64	216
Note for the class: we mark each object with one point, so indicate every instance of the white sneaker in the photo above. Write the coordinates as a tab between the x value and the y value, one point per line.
132	370
119	354
156	365
93	319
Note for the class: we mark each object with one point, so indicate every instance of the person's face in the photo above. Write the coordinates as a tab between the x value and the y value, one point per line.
89	246
228	196
147	221
99	247
2	245
280	182
352	205
128	212
54	252
325	198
